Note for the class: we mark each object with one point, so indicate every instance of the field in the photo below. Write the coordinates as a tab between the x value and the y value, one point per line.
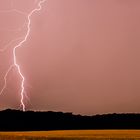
73	135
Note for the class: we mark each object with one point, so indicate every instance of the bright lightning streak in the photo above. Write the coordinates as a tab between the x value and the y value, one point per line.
6	46
15	64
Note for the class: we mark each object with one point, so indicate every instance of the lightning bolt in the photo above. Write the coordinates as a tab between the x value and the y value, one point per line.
15	64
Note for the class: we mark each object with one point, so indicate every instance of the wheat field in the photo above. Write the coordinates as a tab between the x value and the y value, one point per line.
73	135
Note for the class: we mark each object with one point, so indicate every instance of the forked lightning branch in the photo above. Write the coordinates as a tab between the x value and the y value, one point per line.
15	64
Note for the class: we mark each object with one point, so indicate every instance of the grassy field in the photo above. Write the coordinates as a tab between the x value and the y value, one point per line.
73	135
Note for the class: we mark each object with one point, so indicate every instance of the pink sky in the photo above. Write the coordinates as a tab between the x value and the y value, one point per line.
82	56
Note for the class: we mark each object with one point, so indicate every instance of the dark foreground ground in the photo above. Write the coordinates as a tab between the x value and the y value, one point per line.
14	120
73	135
